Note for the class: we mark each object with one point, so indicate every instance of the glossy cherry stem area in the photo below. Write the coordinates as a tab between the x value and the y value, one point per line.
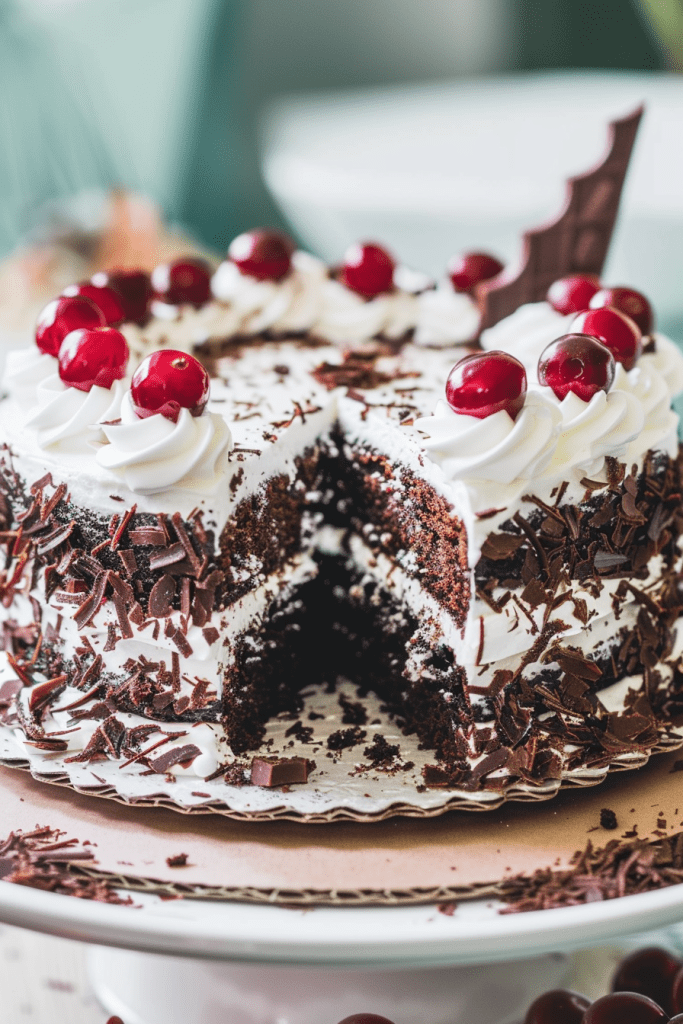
368	269
652	972
185	281
576	363
573	293
93	358
486	383
470	269
365	1018
168	381
628	301
63	315
262	254
624	1008
559	1006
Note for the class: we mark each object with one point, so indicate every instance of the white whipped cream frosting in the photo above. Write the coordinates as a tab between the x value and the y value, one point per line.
155	454
69	420
25	370
445	317
605	425
496	448
526	332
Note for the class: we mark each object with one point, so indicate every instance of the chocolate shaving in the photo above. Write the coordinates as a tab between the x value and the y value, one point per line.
161	596
183	756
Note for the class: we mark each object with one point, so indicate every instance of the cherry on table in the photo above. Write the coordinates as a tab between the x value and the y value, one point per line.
571	294
626	300
368	269
184	281
168	381
625	1008
615	330
652	972
365	1018
91	358
471	269
63	315
677	992
265	255
105	298
560	1006
135	289
578	363
485	383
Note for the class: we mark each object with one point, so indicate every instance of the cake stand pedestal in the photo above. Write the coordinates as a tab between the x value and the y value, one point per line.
190	961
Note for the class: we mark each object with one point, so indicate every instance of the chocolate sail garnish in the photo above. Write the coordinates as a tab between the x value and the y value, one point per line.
576	242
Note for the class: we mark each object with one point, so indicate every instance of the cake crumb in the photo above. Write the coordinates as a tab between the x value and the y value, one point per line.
178	860
608	819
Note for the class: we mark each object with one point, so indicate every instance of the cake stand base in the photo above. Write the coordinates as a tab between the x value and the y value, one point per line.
144	988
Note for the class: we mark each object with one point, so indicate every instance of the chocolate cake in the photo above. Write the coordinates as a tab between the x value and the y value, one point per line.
492	548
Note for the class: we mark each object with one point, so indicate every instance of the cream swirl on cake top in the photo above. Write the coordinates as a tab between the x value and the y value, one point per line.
605	425
69	420
154	454
25	370
495	448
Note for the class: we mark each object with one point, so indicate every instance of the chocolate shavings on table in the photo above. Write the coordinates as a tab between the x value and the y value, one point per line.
604	874
44	859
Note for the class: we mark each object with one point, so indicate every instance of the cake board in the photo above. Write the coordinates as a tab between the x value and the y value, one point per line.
373	956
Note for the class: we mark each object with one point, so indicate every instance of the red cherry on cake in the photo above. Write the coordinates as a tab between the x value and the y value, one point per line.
471	269
168	381
652	972
578	363
626	300
368	269
615	330
485	383
63	315
624	1008
265	255
557	1007
105	298
365	1018
134	288
88	358
186	280
573	293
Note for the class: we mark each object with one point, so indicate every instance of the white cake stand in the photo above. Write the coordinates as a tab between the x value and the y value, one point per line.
230	963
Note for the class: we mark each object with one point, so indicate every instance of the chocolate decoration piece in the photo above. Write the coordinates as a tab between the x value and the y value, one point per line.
279	771
576	242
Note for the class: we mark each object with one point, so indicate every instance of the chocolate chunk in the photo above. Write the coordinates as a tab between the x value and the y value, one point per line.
279	771
183	756
608	819
177	860
576	242
161	597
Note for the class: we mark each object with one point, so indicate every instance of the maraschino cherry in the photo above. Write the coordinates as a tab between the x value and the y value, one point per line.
168	381
184	281
624	1008
615	330
265	255
365	1018
134	288
90	358
471	269
578	363
652	972
573	293
368	269
557	1007
63	315
626	300
105	298
485	383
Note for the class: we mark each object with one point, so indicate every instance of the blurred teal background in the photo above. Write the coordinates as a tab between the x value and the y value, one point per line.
164	96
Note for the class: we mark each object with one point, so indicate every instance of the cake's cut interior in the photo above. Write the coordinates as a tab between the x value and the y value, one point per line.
510	590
